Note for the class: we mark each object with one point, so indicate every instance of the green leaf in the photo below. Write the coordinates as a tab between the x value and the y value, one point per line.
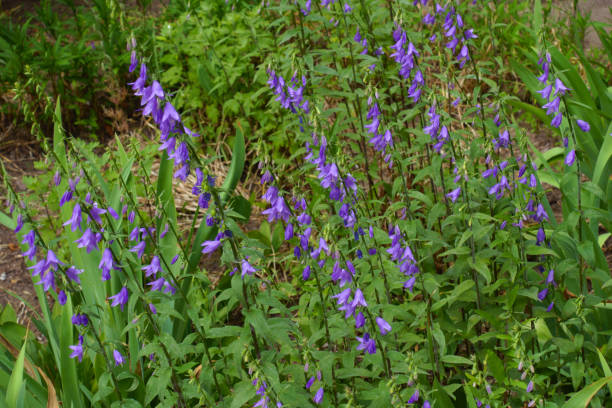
601	170
59	149
225	331
236	167
243	392
606	368
452	359
542	331
481	267
537	17
582	398
442	397
16	381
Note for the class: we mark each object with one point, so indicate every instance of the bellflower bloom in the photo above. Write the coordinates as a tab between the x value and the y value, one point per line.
570	158
358	300
454	194
120	298
550	278
62	298
210	246
542	294
119	359
157	284
246	268
343	296
139	248
556	121
52	261
66	197
318	396
152	268
19	223
584	126
359	320
414	398
545	92
39	268
367	343
29	238
77	350
560	88
96	213
75	220
383	325
47	280
113	213
106	264
73	274
133	61
306	273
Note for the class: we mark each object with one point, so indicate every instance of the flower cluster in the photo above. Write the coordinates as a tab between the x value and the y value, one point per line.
380	140
403	257
552	93
291	95
553	105
405	55
439	135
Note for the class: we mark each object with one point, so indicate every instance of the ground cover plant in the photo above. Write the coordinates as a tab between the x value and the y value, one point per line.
406	254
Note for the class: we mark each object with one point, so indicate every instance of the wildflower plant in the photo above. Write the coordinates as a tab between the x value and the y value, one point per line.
408	257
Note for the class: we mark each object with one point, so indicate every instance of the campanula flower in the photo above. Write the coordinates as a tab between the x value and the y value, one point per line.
583	125
359	320
414	398
47	280
318	396
62	298
550	278
75	220
88	240
119	359
358	300
106	264
19	223
246	268
152	268
96	213
306	273
66	197
454	194
542	294
157	284
139	248
210	246
77	350
383	325
343	296
367	343
556	121
570	158
120	298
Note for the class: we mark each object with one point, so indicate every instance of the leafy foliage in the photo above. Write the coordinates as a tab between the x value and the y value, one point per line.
409	254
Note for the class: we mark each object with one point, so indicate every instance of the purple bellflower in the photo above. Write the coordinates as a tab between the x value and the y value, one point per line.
120	298
77	350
